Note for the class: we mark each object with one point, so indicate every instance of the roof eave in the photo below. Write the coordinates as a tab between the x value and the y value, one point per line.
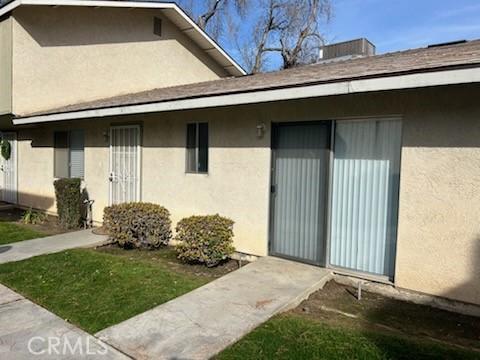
386	83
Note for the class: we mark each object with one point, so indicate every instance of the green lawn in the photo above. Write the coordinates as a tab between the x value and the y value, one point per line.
290	336
96	289
10	233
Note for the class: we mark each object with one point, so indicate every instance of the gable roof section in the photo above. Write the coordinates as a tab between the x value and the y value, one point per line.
172	11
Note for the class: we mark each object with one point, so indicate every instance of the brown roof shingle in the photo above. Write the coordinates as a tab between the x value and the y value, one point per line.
410	61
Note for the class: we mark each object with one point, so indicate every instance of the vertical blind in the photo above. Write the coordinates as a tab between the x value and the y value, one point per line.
69	161
61	155
192	148
365	195
77	154
301	168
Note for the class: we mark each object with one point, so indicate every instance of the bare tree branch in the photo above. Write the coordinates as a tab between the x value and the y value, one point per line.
285	29
207	16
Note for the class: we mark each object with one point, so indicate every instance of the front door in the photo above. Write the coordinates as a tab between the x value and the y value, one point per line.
124	164
299	191
9	169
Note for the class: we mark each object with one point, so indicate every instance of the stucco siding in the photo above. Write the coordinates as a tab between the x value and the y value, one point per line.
439	227
68	55
236	185
439	232
6	66
35	169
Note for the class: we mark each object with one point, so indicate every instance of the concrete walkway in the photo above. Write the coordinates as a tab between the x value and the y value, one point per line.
47	245
28	331
203	322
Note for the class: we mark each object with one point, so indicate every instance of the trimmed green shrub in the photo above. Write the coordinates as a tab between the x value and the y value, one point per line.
33	217
67	193
205	239
138	225
5	149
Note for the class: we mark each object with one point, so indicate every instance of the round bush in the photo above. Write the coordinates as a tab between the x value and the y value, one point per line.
138	225
205	239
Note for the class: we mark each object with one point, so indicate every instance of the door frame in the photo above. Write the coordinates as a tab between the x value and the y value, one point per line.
274	136
333	121
14	159
139	160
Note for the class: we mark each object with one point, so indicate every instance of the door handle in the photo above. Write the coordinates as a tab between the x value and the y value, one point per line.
111	177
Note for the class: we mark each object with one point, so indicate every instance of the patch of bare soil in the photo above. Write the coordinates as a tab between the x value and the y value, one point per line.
100	230
168	257
338	306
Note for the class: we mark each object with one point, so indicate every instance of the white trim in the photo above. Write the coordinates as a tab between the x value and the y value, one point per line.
9	7
233	67
12	196
446	77
110	167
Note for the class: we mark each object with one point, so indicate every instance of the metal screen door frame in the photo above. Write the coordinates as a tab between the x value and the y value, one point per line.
113	175
322	255
9	175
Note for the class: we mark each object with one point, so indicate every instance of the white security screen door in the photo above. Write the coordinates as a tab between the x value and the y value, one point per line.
124	164
9	170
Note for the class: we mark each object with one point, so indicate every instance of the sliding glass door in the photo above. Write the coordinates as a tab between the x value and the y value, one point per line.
364	195
360	172
299	191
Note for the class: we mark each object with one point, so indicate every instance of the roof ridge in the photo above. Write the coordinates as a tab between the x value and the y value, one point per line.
377	56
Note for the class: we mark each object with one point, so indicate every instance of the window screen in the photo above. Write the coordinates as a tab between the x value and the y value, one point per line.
197	148
61	154
76	154
191	148
157	26
203	147
69	154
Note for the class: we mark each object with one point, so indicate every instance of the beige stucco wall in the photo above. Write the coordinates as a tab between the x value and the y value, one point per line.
5	65
224	190
439	221
67	55
35	168
438	239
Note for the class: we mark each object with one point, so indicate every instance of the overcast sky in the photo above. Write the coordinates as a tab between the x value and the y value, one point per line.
403	24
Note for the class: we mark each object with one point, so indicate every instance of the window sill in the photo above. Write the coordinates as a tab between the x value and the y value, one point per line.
82	181
196	173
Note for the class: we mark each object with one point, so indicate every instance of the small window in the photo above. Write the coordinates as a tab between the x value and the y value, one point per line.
69	161
157	26
197	148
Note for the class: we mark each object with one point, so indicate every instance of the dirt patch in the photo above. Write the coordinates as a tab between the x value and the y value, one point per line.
337	305
48	227
168	257
262	303
100	231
